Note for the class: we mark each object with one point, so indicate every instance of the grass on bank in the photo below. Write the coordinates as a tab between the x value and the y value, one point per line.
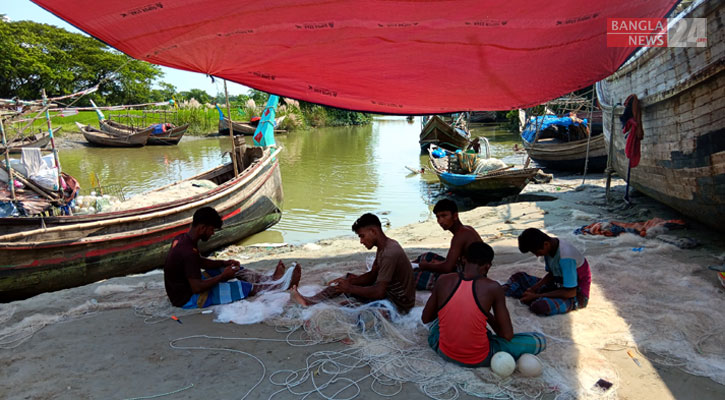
202	121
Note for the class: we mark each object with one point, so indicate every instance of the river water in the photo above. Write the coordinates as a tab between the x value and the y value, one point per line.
330	175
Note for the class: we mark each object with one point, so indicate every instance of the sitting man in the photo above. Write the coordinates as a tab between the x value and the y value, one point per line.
187	287
460	306
391	276
431	265
564	288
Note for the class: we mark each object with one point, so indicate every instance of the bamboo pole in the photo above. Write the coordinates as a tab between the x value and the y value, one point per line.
11	181
589	138
37	116
231	131
52	141
610	156
536	137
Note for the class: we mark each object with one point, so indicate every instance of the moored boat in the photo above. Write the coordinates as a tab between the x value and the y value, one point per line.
558	148
680	90
52	253
438	132
490	185
171	136
161	134
239	128
34	141
100	138
119	129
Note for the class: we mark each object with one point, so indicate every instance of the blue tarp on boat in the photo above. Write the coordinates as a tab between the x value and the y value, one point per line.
458	179
529	132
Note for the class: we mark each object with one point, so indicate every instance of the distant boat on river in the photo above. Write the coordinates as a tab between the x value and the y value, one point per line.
104	139
161	134
450	136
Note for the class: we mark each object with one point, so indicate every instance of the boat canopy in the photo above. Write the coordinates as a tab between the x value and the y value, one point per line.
545	121
396	57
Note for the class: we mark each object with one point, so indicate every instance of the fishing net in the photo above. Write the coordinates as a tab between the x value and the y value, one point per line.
642	299
20	321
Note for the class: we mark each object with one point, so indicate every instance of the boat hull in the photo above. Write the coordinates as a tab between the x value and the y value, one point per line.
569	156
240	128
171	137
39	143
437	131
492	187
683	118
97	137
68	255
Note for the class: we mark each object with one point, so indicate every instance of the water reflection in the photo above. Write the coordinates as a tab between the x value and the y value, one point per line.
330	175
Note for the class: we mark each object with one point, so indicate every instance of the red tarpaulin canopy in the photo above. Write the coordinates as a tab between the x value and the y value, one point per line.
399	57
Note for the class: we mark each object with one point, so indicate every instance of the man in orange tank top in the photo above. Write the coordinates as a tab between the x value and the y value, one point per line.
460	308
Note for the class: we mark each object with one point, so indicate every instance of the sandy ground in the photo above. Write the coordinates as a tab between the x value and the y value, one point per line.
101	342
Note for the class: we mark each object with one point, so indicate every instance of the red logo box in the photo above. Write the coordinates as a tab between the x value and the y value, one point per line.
636	32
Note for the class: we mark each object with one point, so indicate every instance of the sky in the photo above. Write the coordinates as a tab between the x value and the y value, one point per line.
19	10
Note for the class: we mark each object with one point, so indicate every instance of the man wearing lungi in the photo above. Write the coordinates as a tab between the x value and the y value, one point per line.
564	288
391	276
188	287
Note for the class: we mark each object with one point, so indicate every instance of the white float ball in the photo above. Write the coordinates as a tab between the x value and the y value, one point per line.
502	364
529	365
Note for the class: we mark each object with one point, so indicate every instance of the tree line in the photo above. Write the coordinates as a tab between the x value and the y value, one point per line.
39	56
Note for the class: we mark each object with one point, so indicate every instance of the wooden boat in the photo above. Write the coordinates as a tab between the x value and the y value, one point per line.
119	129
492	186
442	134
240	128
683	117
483	116
171	136
51	253
105	139
32	141
244	128
569	156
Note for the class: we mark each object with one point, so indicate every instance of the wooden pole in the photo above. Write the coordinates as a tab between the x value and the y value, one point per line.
536	137
52	141
11	181
610	169
231	131
589	138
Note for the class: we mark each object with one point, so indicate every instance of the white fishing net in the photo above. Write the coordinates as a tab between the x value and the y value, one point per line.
641	299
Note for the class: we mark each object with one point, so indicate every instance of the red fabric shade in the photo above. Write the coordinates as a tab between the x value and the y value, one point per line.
398	57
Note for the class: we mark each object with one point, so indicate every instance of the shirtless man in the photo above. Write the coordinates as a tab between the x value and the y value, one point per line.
391	276
431	265
459	308
188	287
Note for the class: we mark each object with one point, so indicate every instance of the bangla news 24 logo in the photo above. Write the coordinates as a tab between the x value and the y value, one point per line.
656	32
